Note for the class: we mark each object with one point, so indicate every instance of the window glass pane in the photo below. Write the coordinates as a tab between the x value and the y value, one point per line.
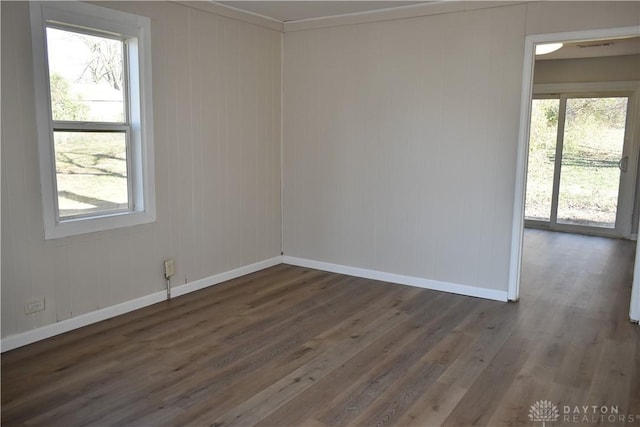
542	156
91	172
86	77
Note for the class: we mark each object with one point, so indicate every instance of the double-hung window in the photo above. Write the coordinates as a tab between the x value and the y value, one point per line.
92	72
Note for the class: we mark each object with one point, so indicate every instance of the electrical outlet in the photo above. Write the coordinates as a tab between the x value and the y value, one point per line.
34	306
169	268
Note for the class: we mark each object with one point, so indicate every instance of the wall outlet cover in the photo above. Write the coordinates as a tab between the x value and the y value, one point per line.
169	268
34	306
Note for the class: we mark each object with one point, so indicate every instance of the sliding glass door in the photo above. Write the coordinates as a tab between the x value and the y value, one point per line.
578	164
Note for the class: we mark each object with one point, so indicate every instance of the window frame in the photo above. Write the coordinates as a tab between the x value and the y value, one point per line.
134	31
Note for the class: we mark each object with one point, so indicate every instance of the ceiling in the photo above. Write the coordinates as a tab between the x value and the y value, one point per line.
286	11
292	10
596	48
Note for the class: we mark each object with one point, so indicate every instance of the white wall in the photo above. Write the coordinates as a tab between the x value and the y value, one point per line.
400	137
216	89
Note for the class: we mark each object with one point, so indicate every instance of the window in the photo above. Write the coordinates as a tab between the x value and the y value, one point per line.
92	72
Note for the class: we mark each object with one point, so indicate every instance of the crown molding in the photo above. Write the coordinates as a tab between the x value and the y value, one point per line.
401	12
233	13
388	14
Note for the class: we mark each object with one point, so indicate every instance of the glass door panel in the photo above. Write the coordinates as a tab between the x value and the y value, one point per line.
592	159
542	155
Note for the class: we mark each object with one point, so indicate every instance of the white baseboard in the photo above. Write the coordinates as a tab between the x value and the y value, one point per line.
48	331
435	285
223	277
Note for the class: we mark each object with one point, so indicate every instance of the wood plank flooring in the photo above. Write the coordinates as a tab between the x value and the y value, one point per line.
291	346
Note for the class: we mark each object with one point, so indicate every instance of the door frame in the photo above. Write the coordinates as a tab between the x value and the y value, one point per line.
517	232
627	182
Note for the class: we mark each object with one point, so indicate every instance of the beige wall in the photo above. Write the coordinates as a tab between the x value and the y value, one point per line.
606	69
216	89
399	152
400	138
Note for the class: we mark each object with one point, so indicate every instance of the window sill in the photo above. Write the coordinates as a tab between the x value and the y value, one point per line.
79	226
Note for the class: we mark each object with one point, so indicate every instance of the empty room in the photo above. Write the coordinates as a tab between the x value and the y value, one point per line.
308	213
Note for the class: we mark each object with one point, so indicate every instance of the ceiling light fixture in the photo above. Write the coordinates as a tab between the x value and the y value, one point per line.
543	49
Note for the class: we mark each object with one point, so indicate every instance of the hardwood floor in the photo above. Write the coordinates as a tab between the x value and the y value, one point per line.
290	346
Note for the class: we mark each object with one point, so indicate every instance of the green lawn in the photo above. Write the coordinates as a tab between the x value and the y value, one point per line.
91	169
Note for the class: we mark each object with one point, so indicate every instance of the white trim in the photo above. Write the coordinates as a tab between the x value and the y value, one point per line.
3	142
233	13
248	12
282	144
386	14
393	13
515	262
223	277
14	341
137	30
634	307
517	228
377	14
472	291
48	331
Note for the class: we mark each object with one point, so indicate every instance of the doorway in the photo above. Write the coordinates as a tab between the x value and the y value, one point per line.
581	92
